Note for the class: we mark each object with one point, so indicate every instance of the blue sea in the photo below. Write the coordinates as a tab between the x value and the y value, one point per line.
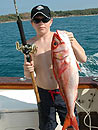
85	29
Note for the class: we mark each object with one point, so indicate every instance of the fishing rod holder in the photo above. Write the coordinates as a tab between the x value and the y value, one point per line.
26	49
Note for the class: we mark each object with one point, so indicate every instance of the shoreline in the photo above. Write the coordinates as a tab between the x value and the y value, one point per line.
14	21
53	17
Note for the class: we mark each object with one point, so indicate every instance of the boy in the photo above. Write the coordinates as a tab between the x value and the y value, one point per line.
51	100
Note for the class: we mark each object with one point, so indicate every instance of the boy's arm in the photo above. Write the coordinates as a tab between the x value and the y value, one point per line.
77	48
78	51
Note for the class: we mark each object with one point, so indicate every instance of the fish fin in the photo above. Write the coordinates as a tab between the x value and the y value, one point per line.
78	66
70	122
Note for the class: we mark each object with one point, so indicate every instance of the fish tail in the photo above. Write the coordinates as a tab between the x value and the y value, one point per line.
70	122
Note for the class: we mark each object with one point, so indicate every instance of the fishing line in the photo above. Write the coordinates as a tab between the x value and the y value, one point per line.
88	115
87	112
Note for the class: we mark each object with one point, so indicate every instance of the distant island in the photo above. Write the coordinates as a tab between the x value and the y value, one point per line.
26	16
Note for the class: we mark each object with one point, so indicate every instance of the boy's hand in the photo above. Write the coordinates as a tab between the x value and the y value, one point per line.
71	36
29	66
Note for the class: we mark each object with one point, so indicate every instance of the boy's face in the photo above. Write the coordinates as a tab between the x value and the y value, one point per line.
41	23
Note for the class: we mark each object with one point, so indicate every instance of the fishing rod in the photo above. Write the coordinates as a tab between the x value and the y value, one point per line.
20	26
27	50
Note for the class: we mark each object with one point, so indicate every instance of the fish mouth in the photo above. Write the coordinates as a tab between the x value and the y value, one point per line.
60	55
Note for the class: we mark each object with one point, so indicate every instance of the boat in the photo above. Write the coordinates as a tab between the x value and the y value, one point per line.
18	106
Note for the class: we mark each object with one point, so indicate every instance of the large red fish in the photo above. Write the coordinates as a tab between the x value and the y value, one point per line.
66	73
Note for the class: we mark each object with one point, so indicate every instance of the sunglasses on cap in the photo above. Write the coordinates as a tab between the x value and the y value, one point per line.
44	20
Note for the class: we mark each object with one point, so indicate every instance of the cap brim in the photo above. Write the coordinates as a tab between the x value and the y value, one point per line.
40	13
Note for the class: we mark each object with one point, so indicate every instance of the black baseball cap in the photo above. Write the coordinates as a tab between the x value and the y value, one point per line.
41	9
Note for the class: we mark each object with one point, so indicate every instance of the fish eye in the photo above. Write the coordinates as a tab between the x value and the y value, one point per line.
55	43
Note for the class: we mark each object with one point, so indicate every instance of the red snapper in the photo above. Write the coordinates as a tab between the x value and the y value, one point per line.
66	73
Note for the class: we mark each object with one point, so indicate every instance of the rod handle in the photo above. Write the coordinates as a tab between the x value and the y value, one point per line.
35	87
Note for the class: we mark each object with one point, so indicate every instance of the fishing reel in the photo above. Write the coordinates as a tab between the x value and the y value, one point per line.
26	49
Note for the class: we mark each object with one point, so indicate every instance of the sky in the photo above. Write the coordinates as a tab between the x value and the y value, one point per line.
7	6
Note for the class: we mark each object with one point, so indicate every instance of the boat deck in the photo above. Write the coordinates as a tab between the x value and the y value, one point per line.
91	83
